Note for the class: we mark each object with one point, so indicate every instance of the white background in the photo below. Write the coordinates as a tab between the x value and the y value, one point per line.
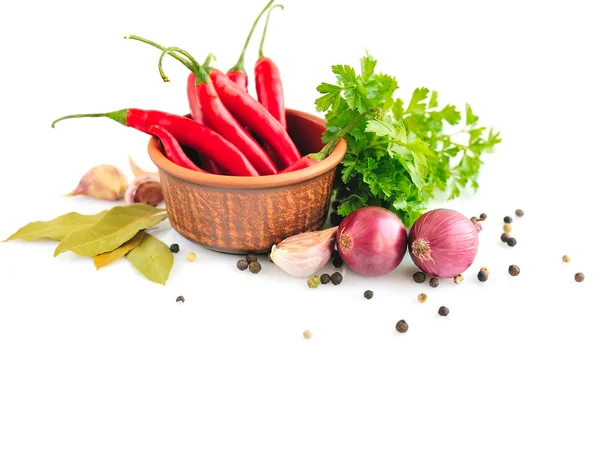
101	371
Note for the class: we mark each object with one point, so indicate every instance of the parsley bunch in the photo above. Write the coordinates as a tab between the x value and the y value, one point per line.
399	158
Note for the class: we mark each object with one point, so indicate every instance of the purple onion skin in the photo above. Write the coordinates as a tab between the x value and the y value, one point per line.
372	241
443	243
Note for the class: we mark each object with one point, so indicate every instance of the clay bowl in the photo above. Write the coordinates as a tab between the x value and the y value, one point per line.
234	214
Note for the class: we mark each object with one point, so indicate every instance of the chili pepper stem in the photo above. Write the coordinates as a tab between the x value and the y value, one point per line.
120	116
328	148
198	70
239	66
210	58
158	46
262	41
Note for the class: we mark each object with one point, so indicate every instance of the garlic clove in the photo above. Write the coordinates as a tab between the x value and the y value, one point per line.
104	182
302	255
144	189
138	171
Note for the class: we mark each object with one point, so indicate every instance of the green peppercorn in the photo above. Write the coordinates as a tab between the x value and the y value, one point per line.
434	282
459	278
325	278
419	277
579	277
422	297
402	326
483	216
504	237
174	248
180	299
368	294
338	262
512	241
507	219
255	267
443	311
482	276
336	278
519	213
242	265
514	270
314	281
251	258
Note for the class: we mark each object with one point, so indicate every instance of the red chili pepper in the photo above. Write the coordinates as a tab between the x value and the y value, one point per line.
172	148
218	117
303	163
195	107
269	87
187	132
237	73
250	113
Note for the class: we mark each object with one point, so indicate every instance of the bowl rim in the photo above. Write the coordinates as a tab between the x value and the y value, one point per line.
250	182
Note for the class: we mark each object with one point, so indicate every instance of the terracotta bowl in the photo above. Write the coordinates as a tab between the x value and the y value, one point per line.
234	214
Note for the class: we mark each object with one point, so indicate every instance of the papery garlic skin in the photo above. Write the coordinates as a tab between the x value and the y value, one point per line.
304	254
105	182
145	189
138	171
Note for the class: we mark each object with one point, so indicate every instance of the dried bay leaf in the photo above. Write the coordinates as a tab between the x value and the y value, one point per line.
57	228
152	258
104	259
119	225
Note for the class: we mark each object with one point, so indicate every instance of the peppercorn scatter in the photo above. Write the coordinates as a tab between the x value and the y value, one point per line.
483	216
254	267
314	282
422	297
307	334
402	326
251	258
325	278
174	248
336	278
482	276
434	282
514	270
191	257
368	294
512	241
507	219
566	259
504	237
242	265
579	277
443	311
519	213
419	277
458	279
507	228
180	299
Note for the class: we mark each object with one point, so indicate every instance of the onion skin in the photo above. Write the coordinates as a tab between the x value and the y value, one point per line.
372	241
443	243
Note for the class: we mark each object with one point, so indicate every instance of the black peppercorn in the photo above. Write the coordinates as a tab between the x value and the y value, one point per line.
483	216
514	270
507	219
512	241
336	278
402	326
251	258
242	265
180	299
519	213
325	278
368	294
338	262
255	267
174	248
434	282
443	311
504	237
579	277
419	277
336	218
482	276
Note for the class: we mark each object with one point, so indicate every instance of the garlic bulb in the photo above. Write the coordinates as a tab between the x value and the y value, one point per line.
138	171
104	182
144	189
302	255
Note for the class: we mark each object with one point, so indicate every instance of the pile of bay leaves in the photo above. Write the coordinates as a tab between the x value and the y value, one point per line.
108	236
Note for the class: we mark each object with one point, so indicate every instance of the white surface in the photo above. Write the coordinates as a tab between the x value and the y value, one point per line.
103	371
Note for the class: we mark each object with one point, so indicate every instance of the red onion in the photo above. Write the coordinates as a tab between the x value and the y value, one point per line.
371	241
443	243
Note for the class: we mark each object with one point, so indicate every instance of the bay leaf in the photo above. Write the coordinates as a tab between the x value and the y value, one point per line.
57	228
152	258
119	225
104	259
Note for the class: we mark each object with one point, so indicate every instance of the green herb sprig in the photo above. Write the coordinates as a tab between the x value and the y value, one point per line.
399	158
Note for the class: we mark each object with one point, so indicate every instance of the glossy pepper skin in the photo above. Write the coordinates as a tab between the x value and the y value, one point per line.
239	77
304	163
254	116
269	88
187	132
172	148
